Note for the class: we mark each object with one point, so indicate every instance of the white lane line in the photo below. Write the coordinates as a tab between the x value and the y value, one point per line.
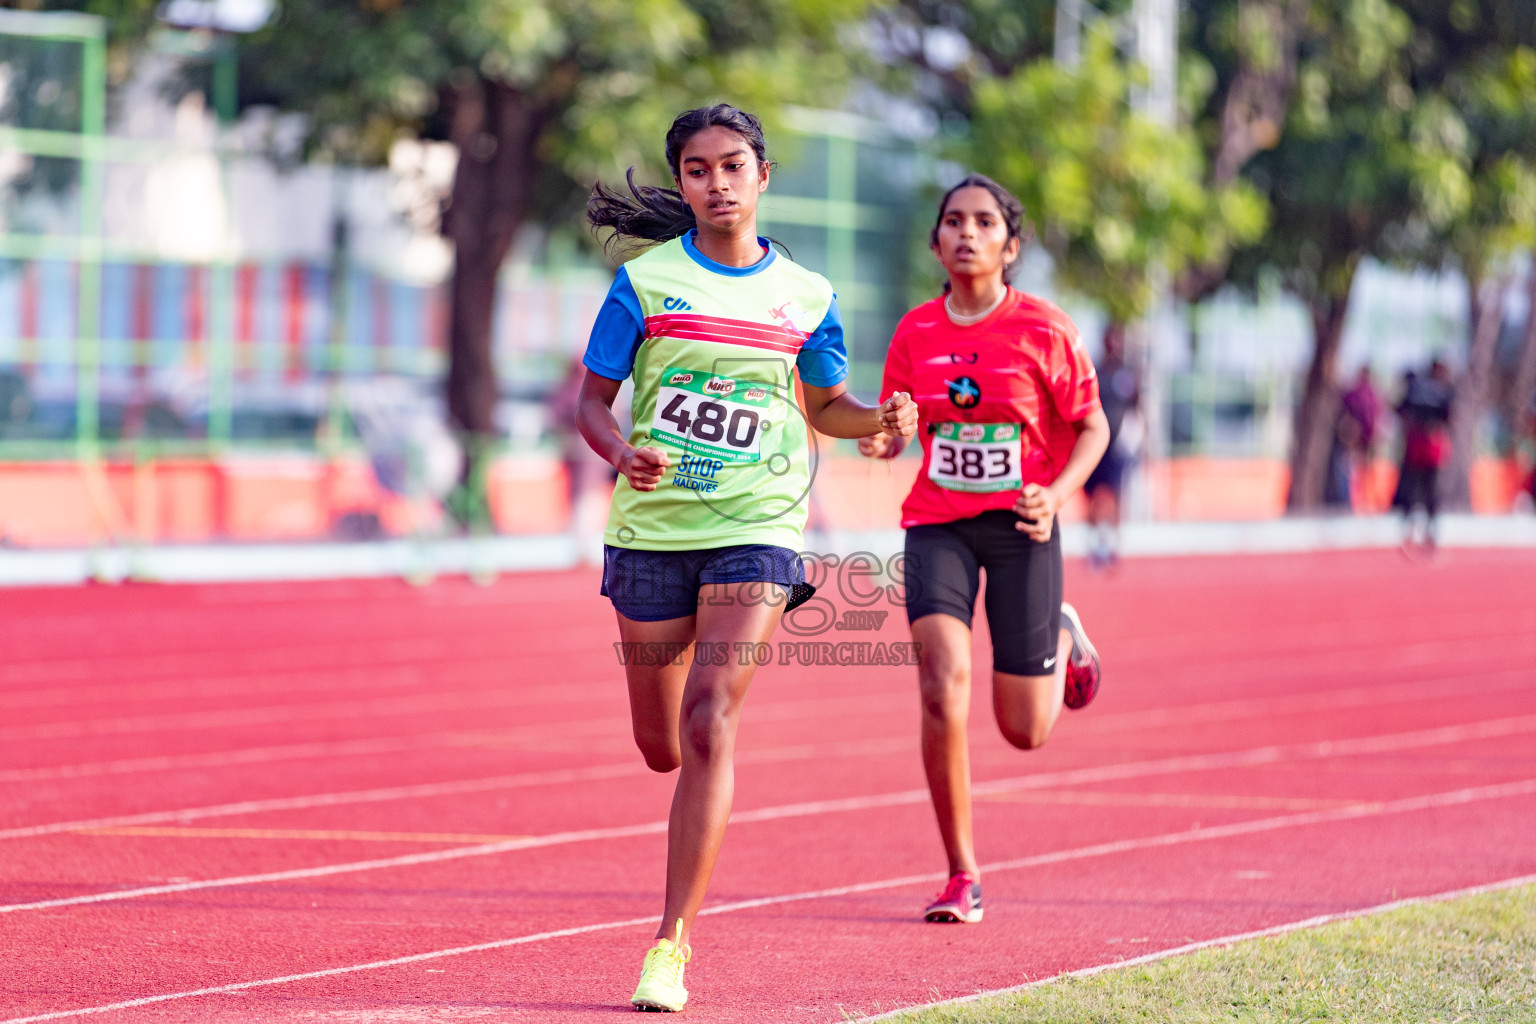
1174	765
154	675
1435	688
1433	800
1195	947
1202	762
225	758
274	714
1449	734
1214	711
1125	770
628	768
359	796
342	710
585	726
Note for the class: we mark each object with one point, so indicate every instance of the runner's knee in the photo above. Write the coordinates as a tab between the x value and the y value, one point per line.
946	689
708	722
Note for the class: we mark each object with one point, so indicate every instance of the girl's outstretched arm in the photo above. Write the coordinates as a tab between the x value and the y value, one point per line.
836	413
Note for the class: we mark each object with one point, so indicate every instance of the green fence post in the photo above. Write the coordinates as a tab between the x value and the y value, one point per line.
221	340
842	243
93	113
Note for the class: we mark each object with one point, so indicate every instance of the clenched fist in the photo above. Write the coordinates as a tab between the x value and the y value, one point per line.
643	467
898	416
1036	509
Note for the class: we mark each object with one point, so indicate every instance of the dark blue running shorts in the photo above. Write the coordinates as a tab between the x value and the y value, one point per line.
651	586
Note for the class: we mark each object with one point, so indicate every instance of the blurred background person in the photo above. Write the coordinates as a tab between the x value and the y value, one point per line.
1353	440
1120	395
1528	434
1425	414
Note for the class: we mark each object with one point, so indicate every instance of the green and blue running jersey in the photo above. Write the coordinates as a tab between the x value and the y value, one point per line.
713	350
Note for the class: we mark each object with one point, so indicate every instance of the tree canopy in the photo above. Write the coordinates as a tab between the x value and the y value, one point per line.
539	97
1374	158
1117	196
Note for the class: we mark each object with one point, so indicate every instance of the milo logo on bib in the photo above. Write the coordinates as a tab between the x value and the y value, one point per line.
710	415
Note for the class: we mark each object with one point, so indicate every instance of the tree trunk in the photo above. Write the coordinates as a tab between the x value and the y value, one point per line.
1517	404
1316	420
1260	92
1253	111
1485	314
496	129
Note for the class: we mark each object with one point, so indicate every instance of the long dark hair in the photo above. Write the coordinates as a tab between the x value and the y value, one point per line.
1012	210
651	214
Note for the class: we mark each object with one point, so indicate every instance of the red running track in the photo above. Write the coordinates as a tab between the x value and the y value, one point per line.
358	801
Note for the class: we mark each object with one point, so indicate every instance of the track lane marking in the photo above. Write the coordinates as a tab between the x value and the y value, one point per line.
1195	762
231	757
344	678
1101	799
458	700
1213	711
277	714
1195	947
596	773
1408	804
349	835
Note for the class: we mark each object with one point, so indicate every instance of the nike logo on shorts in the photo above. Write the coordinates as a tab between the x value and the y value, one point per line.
1049	662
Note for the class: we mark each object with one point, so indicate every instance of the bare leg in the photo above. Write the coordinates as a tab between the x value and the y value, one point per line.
1104	521
656	690
944	679
710	712
1027	707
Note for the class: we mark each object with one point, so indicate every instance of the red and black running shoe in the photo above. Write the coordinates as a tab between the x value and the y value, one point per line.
1083	666
959	903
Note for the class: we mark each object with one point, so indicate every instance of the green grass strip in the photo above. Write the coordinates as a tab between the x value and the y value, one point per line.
1471	959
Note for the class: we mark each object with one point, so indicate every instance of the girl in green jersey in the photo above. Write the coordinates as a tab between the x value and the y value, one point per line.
700	554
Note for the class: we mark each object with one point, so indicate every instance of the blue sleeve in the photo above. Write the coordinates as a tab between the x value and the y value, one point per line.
617	334
823	359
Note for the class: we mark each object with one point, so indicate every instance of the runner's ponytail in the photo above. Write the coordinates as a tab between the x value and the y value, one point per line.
648	213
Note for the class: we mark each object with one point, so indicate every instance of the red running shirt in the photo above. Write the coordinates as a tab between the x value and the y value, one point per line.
1024	366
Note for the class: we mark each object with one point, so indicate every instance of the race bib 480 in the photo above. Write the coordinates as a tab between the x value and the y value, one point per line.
707	414
976	457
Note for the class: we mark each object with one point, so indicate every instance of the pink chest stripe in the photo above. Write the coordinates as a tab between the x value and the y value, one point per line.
697	327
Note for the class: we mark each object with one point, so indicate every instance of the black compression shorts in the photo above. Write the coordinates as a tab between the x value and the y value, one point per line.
1023	585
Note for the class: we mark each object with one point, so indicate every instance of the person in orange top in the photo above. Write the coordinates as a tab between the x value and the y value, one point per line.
1010	426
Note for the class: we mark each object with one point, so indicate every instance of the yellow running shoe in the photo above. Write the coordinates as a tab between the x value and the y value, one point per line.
661	978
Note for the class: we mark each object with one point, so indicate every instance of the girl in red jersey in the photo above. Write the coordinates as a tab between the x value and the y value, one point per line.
1010	425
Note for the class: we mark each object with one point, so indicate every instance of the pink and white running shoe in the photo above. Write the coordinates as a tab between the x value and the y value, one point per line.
1083	666
959	903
